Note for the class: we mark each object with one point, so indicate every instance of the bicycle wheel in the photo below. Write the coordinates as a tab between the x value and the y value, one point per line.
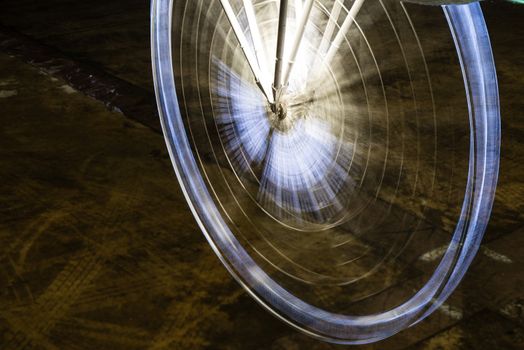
341	157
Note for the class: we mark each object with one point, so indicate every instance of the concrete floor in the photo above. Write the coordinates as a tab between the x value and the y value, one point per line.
98	249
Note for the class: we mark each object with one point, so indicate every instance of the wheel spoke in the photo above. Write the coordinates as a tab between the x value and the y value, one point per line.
341	34
301	26
328	33
281	38
260	52
244	44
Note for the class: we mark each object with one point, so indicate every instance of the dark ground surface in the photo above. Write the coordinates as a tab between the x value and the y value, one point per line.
98	249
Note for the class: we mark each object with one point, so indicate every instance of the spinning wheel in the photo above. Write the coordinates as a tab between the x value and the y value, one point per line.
341	157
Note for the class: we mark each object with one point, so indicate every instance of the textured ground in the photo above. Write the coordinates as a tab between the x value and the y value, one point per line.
98	249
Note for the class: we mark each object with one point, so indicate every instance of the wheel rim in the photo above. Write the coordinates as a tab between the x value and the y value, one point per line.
474	51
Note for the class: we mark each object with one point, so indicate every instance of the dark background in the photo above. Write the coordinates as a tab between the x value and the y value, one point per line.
98	249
